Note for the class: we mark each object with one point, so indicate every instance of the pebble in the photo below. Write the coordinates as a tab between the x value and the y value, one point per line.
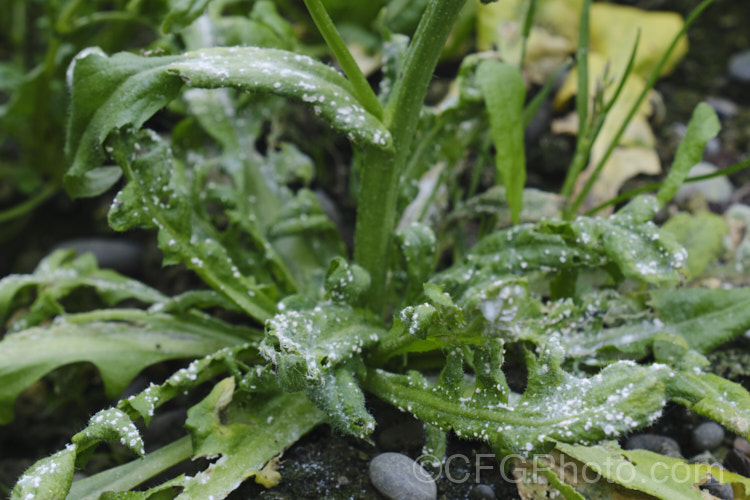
717	190
654	442
708	436
121	255
723	107
482	492
739	66
398	477
738	462
741	445
402	436
717	489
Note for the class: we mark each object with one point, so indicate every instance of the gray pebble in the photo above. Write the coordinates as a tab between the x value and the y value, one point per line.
482	492
716	190
717	489
122	255
402	436
723	107
708	436
739	67
654	442
398	477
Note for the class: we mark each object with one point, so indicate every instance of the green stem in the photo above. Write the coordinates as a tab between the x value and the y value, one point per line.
634	109
584	146
28	205
528	22
379	187
327	29
131	474
582	64
656	185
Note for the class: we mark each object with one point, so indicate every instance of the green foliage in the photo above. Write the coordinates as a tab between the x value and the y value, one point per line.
126	90
217	150
555	406
702	235
48	478
627	244
651	473
703	126
504	92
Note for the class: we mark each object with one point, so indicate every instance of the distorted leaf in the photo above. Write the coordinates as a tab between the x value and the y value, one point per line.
57	275
316	351
555	405
346	282
50	477
627	239
109	425
155	198
245	432
112	92
119	349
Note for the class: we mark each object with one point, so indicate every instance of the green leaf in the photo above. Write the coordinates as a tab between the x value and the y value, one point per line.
144	404
416	259
346	282
714	397
628	240
109	425
317	351
702	235
663	477
705	318
50	477
59	274
703	126
687	322
182	13
125	89
157	197
306	344
119	349
302	215
556	405
343	401
129	475
504	93
246	431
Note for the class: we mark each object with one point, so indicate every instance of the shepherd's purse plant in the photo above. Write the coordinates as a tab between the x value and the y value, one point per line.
291	332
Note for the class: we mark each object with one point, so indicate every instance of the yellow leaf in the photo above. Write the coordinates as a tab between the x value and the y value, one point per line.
268	475
613	32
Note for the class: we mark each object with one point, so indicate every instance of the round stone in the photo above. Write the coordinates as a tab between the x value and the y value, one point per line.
708	436
716	190
482	492
654	442
398	477
739	67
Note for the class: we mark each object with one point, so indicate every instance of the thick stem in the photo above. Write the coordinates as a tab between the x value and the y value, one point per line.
379	187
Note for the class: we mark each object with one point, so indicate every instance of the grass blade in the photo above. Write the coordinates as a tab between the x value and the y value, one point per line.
649	85
504	92
703	126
